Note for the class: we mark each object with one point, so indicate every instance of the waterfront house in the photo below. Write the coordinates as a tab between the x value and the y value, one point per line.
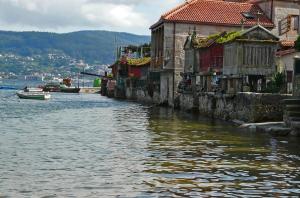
205	17
137	76
130	74
130	70
285	62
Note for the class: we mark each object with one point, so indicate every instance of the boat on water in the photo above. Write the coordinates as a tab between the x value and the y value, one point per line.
33	89
52	87
33	95
56	87
7	88
65	89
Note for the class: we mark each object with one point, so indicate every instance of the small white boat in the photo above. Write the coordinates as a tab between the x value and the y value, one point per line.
34	95
33	89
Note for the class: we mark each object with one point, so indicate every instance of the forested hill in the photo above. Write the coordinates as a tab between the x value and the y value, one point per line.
91	46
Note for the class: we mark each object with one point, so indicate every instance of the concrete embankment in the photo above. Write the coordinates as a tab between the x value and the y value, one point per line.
273	128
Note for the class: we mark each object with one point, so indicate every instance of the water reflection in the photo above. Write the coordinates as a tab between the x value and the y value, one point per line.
189	157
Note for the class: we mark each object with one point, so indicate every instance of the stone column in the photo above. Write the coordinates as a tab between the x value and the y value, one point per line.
296	79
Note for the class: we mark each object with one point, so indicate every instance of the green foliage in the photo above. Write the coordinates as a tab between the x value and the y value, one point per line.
138	61
204	42
230	36
276	84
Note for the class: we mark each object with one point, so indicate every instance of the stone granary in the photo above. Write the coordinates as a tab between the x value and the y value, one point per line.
229	62
203	61
249	59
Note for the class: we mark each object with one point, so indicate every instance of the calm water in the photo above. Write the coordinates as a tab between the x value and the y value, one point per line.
91	146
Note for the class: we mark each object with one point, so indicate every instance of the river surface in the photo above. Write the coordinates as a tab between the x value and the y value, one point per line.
90	146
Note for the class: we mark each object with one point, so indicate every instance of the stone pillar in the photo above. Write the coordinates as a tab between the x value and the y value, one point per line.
296	79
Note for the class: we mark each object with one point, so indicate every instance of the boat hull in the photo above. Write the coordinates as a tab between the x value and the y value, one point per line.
34	96
70	90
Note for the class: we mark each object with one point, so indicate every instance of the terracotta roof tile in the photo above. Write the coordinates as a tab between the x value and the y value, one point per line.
287	43
217	12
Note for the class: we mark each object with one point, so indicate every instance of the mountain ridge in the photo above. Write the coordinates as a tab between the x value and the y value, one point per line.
92	46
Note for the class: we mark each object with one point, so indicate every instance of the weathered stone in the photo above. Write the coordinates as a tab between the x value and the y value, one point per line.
295	125
247	107
273	128
279	131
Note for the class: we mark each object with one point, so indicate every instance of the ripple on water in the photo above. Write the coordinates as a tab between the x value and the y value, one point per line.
91	146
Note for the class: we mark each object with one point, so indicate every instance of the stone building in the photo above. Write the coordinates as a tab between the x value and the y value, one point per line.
205	17
285	62
285	16
130	74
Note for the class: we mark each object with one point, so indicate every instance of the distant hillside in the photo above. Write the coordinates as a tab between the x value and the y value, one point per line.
91	46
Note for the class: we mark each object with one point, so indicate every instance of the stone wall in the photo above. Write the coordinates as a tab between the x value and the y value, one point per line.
143	96
281	10
296	86
186	101
248	107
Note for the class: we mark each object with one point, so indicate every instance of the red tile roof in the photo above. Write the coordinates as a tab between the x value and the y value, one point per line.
215	12
261	1
287	43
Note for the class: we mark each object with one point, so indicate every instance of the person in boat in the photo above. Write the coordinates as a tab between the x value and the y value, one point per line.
25	89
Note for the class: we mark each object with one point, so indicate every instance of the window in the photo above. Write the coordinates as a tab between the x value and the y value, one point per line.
248	15
284	25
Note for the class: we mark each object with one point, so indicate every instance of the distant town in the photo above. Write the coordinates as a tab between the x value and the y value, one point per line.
48	67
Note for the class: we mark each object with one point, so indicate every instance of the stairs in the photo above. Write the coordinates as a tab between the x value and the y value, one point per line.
292	114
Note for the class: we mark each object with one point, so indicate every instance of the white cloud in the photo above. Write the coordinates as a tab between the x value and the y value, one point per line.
115	15
67	15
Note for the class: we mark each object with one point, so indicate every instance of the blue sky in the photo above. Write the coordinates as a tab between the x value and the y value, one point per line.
134	16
